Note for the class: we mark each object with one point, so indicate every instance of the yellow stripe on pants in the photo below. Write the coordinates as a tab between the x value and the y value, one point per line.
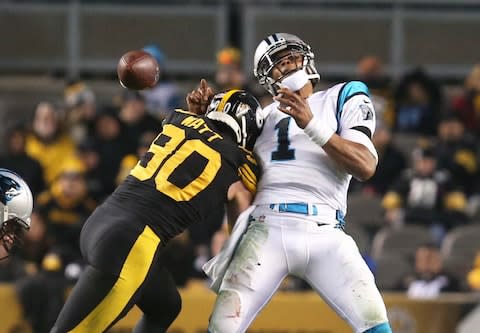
132	275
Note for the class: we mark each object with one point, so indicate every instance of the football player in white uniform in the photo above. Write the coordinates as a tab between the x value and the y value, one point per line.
310	147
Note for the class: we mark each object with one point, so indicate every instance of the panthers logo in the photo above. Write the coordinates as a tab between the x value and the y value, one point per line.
9	189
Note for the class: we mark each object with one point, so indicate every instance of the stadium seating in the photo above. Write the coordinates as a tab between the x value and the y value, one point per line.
391	269
463	241
360	235
402	241
365	210
458	267
407	142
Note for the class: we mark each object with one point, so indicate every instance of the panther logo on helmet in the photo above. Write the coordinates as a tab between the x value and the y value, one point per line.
265	59
9	189
16	200
16	204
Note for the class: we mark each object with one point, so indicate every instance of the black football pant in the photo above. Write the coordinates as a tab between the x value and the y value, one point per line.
122	271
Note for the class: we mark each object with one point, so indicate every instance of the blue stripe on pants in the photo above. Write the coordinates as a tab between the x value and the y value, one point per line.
381	328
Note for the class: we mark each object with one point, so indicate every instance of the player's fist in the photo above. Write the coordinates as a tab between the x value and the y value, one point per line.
293	104
198	99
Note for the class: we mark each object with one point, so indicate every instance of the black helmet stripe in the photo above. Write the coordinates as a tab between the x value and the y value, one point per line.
271	39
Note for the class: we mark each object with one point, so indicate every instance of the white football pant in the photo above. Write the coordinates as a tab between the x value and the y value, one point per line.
278	244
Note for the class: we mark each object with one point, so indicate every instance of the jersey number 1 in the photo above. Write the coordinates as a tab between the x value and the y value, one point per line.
283	152
167	153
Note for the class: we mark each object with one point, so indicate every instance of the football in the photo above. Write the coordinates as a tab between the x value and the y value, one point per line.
138	70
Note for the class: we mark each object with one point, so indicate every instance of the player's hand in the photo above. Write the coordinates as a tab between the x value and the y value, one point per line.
198	99
294	105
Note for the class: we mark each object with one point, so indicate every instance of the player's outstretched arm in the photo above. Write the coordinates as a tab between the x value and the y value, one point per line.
198	99
354	157
239	199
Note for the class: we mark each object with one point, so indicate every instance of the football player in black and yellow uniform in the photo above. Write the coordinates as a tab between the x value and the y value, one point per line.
195	165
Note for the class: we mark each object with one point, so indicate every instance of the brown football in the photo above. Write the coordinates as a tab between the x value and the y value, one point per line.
138	70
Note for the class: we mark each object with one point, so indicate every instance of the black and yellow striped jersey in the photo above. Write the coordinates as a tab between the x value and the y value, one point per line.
185	174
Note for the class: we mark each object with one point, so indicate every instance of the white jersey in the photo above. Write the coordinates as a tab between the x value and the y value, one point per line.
295	169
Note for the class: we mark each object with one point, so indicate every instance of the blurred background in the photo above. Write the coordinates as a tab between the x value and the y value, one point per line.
74	133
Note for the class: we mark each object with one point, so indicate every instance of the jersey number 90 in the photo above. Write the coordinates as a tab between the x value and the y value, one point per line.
167	153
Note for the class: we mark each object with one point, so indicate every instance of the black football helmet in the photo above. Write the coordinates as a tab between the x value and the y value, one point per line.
241	112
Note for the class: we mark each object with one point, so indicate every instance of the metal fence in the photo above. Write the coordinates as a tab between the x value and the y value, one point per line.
76	37
441	40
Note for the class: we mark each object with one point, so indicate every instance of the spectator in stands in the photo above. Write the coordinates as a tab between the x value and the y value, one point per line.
17	160
81	110
47	143
42	295
89	154
473	277
111	146
130	160
391	163
418	103
370	70
229	74
35	243
425	195
164	97
457	152
135	119
467	105
11	267
64	208
429	278
179	257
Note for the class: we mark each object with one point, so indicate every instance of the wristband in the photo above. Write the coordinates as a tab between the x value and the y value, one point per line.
318	132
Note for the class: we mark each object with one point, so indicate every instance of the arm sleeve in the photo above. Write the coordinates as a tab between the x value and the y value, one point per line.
356	115
249	172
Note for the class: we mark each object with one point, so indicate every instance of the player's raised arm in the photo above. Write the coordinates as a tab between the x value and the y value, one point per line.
199	98
357	157
239	199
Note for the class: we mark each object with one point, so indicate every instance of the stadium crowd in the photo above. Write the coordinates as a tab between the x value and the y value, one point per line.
74	153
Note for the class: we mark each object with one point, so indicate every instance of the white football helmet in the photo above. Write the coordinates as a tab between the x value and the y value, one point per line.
16	205
265	59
